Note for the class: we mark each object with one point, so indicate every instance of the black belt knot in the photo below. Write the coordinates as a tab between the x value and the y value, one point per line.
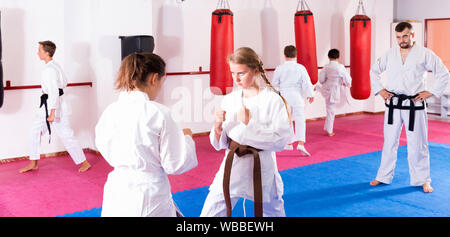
412	108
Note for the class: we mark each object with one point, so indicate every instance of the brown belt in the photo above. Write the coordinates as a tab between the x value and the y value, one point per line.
241	150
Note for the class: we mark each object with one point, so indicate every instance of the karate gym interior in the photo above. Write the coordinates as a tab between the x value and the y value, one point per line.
332	182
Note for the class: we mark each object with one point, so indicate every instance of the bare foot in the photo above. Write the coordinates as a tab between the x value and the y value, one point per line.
375	182
32	166
427	188
331	134
303	150
84	166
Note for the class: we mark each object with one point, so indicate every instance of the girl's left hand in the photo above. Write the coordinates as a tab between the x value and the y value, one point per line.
244	115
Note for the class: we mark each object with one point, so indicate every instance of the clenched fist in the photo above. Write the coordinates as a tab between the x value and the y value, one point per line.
244	115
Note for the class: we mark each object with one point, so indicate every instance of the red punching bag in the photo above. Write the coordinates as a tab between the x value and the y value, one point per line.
222	45
360	53
305	40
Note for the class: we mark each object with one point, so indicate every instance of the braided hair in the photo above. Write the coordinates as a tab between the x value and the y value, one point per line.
248	57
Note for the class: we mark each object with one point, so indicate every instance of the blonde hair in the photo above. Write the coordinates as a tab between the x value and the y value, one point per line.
250	58
136	68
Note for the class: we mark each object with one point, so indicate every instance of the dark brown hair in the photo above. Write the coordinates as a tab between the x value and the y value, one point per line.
333	54
48	47
402	25
290	51
136	68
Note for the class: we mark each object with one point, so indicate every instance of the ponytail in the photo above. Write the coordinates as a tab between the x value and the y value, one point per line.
136	68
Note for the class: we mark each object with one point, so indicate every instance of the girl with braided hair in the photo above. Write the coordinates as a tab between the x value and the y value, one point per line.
252	119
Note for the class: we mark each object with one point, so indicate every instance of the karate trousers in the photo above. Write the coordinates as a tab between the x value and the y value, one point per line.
61	128
293	97
417	146
298	116
215	205
329	120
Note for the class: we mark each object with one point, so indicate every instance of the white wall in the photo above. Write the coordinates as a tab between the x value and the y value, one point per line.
24	23
182	35
86	34
419	11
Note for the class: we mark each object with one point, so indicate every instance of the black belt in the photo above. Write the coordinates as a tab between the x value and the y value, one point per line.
241	150
44	98
412	108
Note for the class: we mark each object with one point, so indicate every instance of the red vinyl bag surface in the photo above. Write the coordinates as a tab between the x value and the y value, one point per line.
360	54
305	41
222	45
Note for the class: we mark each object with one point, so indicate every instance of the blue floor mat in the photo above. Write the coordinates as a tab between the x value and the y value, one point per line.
340	188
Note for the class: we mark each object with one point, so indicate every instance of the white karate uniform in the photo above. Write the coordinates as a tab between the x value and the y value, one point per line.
140	139
269	130
331	78
294	84
408	79
53	79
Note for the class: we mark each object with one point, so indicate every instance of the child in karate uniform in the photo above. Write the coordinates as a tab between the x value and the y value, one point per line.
53	114
332	77
139	138
256	117
294	83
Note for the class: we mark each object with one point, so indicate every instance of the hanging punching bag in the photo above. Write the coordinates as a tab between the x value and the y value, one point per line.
222	45
360	37
1	67
305	40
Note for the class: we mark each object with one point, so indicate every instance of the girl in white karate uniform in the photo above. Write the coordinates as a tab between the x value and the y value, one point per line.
139	138
256	116
53	114
295	85
332	77
406	67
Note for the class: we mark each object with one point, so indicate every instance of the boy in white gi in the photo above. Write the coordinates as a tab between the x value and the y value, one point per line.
332	77
405	92
139	138
53	114
294	83
257	118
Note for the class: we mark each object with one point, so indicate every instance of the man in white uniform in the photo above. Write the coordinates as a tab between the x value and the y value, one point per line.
332	77
53	113
294	84
405	92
